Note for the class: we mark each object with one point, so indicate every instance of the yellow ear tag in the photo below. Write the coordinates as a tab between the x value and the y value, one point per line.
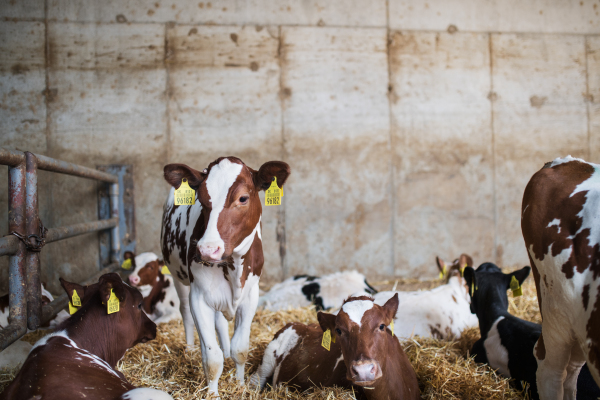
462	270
282	196
72	309
126	264
165	271
273	194
112	305
76	300
326	342
515	287
472	288
392	327
333	338
185	195
443	272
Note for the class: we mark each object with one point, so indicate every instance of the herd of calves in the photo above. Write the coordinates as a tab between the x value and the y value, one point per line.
358	345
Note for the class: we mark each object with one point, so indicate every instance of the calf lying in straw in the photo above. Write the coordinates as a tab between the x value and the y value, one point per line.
507	342
353	348
442	313
325	292
79	359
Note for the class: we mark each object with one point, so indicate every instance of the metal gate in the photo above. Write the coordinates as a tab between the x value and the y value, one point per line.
27	235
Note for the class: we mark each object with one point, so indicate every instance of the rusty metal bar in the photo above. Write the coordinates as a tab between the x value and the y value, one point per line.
50	164
115	237
65	232
9	245
17	280
32	261
61	302
12	158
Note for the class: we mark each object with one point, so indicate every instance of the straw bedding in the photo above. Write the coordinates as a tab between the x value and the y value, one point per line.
443	368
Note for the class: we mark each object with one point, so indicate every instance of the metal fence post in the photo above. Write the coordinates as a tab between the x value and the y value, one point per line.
34	291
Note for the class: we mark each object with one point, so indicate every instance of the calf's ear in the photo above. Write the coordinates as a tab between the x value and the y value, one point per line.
128	254
70	286
521	275
465	260
175	173
469	275
326	320
440	263
390	308
111	281
264	176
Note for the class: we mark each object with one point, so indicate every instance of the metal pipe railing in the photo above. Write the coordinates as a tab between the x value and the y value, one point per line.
25	298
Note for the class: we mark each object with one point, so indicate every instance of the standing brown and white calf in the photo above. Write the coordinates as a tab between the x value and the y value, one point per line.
79	359
364	354
213	248
560	220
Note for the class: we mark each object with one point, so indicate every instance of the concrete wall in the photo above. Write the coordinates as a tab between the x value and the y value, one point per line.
411	127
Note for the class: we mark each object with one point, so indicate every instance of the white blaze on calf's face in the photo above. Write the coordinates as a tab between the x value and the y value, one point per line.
356	309
219	181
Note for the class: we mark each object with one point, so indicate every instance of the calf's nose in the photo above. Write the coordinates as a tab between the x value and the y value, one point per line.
365	371
211	252
134	279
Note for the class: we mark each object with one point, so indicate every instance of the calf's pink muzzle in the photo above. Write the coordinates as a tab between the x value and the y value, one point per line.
211	252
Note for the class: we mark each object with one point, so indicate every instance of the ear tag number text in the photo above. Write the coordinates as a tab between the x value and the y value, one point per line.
326	342
165	271
273	194
515	286
76	300
112	306
126	264
185	195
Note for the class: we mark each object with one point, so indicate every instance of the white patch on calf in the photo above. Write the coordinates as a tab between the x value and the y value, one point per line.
218	183
566	159
356	309
497	354
279	347
589	212
555	222
146	394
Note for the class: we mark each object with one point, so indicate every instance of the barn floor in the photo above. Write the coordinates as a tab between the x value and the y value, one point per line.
442	368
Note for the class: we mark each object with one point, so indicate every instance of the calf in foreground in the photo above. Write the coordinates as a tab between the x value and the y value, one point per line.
79	359
507	342
161	302
561	227
213	248
364	354
442	313
325	292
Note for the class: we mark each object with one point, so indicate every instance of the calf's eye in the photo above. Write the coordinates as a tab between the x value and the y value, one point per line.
243	199
381	327
338	331
140	306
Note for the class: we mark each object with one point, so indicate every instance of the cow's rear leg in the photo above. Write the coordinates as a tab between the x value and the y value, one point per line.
223	332
240	343
212	356
552	354
183	292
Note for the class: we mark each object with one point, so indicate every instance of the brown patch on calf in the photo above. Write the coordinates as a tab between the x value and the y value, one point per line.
585	296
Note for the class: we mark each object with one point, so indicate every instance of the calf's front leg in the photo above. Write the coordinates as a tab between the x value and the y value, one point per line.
241	337
183	292
212	356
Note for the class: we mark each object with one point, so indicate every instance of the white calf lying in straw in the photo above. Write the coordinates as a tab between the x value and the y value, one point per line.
443	312
154	281
15	354
324	292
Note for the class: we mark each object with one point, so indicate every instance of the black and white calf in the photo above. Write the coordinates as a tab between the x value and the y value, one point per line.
324	292
507	342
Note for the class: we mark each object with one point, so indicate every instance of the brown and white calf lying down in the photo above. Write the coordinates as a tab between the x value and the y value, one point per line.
78	360
161	302
365	355
443	312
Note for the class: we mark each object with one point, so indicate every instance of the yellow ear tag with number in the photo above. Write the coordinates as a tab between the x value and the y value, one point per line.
72	309
76	300
392	327
165	271
326	342
112	305
443	272
126	264
185	195
515	287
273	194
